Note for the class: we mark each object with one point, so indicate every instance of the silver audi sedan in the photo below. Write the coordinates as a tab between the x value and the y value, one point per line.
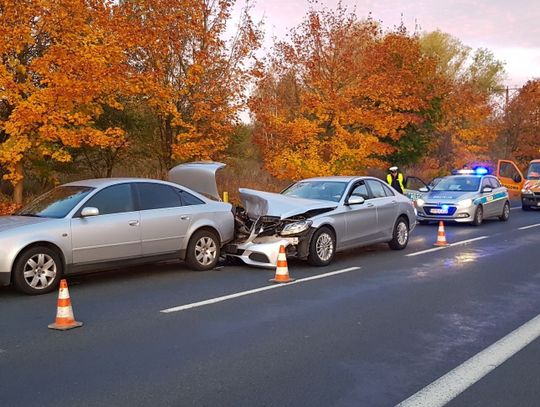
317	217
105	223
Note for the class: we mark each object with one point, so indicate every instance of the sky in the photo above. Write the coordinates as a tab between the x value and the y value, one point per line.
508	28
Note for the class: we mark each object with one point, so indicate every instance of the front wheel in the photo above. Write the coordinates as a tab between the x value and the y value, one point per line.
400	235
203	250
506	212
37	271
322	247
478	216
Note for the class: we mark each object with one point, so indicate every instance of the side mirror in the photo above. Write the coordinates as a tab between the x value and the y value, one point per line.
424	189
487	189
517	178
355	200
89	211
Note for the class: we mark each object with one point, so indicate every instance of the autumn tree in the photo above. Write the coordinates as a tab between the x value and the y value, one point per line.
339	96
194	79
464	125
520	136
61	65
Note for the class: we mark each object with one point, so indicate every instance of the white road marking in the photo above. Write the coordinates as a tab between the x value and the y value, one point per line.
465	375
530	226
256	290
444	247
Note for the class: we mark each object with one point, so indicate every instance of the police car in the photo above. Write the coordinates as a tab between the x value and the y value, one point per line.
468	196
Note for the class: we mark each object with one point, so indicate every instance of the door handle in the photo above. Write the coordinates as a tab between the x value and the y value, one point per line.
184	217
370	205
133	223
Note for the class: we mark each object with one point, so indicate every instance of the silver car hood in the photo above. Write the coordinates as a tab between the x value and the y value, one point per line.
12	222
198	176
260	203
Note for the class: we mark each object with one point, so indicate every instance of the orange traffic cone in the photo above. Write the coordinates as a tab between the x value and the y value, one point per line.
282	270
64	312
441	236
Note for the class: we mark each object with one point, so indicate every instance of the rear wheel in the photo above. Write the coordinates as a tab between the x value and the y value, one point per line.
478	216
203	250
322	247
506	212
37	270
400	235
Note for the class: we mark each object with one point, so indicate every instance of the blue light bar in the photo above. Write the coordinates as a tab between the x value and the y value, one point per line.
481	170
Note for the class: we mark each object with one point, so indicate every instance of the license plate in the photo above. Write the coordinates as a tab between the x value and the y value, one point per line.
439	211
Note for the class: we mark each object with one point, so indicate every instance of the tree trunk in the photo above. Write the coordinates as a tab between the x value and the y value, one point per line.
18	189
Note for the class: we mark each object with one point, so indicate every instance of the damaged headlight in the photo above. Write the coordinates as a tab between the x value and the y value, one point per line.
295	228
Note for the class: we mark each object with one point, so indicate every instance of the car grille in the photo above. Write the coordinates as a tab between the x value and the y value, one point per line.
429	210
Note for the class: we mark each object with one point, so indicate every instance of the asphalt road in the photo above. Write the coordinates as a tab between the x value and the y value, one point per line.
373	335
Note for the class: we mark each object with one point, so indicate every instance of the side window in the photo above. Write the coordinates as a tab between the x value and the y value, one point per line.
113	199
360	190
377	188
188	199
494	182
414	183
507	170
157	196
486	183
388	191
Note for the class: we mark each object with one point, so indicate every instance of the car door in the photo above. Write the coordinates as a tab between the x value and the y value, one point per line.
413	186
361	219
488	203
164	219
510	176
111	235
387	206
498	194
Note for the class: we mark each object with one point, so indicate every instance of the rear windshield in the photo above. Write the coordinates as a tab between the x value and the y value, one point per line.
534	171
465	184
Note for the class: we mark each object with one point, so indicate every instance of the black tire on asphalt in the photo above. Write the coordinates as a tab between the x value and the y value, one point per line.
50	261
505	215
322	236
203	243
400	234
478	216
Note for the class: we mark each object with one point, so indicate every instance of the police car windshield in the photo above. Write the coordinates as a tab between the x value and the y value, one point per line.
462	184
534	171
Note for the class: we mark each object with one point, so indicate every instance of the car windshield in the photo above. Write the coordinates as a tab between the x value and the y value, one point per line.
56	203
464	184
534	171
324	190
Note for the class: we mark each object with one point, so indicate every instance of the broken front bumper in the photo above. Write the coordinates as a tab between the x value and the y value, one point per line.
262	251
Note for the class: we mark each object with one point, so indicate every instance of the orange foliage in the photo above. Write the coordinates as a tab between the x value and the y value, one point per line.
335	98
55	77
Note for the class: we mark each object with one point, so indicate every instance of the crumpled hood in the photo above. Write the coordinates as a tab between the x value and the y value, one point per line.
260	203
12	222
197	176
440	196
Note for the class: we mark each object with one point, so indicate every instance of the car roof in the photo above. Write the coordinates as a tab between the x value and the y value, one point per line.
103	182
338	178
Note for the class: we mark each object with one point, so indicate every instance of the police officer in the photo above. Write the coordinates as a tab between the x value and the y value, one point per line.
395	179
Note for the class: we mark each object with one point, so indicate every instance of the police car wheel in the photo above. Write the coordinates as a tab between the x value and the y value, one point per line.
478	216
505	213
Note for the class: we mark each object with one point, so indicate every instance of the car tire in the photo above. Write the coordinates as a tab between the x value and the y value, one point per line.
400	235
322	247
37	270
478	216
506	212
203	250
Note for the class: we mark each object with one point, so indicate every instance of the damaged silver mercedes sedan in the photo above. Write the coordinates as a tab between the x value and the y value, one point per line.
317	217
